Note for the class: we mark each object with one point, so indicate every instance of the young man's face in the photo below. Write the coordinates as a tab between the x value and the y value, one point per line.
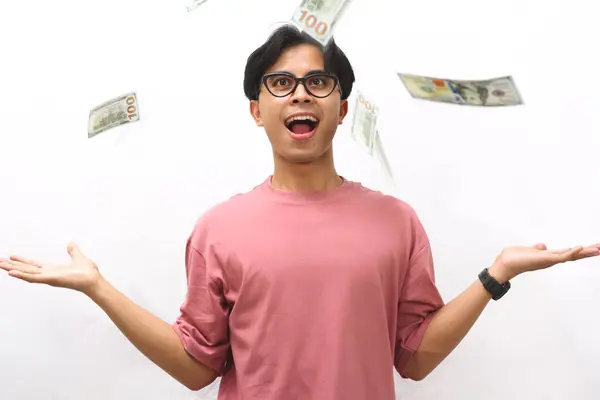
303	141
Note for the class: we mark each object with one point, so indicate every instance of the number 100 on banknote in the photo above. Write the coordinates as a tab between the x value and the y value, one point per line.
318	18
115	112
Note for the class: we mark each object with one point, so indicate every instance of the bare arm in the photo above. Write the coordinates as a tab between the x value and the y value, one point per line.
447	329
453	321
155	338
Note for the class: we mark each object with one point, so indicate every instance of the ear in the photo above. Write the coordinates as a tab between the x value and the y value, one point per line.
343	111
255	112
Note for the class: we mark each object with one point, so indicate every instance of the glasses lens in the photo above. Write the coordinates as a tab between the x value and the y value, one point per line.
280	85
320	85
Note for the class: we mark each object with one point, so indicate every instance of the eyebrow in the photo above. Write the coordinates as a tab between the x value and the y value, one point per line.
314	71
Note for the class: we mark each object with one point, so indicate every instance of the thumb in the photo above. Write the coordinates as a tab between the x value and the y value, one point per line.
540	246
75	252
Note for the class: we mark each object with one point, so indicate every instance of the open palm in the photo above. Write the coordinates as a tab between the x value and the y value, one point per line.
519	259
79	275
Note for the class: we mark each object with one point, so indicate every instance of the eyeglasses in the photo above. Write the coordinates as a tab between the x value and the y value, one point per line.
281	84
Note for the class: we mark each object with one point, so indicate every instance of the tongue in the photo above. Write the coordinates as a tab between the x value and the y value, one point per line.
300	129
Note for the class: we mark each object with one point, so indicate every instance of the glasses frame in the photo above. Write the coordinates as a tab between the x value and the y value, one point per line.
297	81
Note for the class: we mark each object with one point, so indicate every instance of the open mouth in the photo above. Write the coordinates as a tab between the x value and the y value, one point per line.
302	126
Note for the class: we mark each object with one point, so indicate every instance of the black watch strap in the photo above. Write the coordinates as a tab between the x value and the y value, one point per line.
492	285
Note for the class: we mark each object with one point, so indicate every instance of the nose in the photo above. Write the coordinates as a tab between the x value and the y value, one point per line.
300	95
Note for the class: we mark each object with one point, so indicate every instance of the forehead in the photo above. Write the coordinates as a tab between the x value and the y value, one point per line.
299	60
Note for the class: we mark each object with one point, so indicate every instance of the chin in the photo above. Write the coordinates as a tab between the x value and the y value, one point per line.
300	156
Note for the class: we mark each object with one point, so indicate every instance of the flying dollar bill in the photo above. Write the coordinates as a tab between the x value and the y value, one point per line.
365	132
118	111
318	18
193	4
364	124
491	92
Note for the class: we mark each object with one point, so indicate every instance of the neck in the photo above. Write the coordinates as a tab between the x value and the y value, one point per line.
305	177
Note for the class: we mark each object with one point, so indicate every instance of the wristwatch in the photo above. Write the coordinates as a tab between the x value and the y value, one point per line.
492	285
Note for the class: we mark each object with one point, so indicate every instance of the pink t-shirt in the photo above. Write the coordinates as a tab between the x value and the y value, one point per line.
307	296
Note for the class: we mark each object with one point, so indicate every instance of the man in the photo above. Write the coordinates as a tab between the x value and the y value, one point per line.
310	286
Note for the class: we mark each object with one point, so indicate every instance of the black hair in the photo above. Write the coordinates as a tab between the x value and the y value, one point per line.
286	36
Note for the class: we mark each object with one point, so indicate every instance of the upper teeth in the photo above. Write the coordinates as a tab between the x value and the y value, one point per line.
301	118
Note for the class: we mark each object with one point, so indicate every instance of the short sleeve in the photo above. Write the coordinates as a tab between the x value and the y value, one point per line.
419	300
202	325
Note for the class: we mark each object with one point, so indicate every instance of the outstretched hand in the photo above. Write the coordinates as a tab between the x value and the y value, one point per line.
80	274
516	260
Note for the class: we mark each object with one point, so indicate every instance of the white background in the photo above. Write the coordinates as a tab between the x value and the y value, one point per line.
480	179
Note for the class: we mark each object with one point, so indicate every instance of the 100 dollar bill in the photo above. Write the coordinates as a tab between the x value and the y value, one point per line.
364	124
365	131
318	18
491	92
118	111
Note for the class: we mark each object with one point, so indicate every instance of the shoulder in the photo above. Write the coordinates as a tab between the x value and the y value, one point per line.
225	215
388	204
395	212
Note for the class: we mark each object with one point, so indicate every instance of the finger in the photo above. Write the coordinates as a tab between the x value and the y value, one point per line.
540	246
562	251
75	252
24	260
16	266
31	278
589	252
566	255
